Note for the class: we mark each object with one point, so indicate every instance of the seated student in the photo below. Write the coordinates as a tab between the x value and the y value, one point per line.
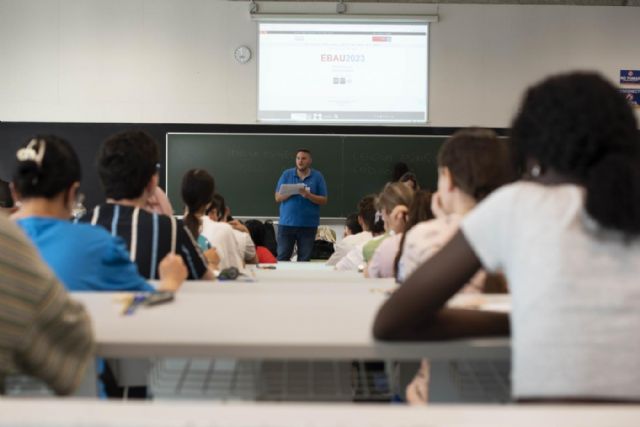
221	236
84	258
240	232
392	204
43	332
198	188
128	169
257	232
567	239
366	220
383	262
471	164
352	225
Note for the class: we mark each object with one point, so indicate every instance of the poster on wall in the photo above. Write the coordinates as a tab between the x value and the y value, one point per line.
633	96
630	77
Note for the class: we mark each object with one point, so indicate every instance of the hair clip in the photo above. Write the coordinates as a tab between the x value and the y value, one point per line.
29	153
378	216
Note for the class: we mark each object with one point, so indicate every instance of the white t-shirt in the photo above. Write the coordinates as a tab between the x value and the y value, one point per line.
221	237
342	248
576	291
355	257
246	247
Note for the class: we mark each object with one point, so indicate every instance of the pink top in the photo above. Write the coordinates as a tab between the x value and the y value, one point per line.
424	240
381	264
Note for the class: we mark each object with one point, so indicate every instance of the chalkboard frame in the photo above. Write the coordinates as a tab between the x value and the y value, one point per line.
345	139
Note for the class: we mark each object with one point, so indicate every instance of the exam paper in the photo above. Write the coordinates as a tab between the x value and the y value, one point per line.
290	189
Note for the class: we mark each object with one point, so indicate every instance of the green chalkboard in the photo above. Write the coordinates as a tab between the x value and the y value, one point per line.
246	167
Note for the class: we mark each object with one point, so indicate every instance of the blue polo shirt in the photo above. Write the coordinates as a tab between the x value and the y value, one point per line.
298	211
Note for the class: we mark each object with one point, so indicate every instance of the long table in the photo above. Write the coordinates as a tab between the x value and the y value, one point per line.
76	413
272	318
245	324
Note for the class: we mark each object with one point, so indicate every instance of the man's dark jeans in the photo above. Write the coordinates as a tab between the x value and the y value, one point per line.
302	236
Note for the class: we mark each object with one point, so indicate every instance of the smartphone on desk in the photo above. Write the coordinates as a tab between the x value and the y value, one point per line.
156	298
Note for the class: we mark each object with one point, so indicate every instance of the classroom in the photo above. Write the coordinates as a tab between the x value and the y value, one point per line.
431	308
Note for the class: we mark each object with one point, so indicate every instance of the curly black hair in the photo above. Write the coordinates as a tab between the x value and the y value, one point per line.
580	126
126	163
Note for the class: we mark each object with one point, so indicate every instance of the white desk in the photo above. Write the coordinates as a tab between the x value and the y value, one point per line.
265	325
302	266
76	413
300	275
290	286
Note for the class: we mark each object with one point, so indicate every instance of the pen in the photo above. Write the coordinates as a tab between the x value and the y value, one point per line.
133	304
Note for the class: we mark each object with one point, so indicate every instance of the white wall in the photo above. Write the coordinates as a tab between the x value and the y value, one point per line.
172	60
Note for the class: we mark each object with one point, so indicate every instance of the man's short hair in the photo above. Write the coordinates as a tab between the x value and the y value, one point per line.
352	223
126	163
303	150
367	210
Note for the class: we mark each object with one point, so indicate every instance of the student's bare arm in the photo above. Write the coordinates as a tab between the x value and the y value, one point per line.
415	311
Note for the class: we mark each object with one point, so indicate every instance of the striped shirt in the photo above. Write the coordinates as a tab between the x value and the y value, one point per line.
150	237
43	332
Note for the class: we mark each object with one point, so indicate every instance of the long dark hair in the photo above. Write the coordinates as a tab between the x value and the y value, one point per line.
198	188
582	127
419	211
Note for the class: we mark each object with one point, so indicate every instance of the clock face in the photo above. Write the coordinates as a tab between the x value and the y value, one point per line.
242	54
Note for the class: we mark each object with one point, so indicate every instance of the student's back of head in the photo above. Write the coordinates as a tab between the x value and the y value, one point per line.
393	202
352	225
198	188
579	127
127	162
367	211
46	166
394	194
477	160
257	231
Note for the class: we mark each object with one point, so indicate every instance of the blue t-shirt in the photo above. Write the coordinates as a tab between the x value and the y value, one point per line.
84	257
298	211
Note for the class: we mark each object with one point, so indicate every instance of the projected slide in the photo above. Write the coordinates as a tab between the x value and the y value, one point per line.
321	72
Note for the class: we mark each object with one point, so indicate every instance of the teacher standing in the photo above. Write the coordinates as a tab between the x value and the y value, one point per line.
300	213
